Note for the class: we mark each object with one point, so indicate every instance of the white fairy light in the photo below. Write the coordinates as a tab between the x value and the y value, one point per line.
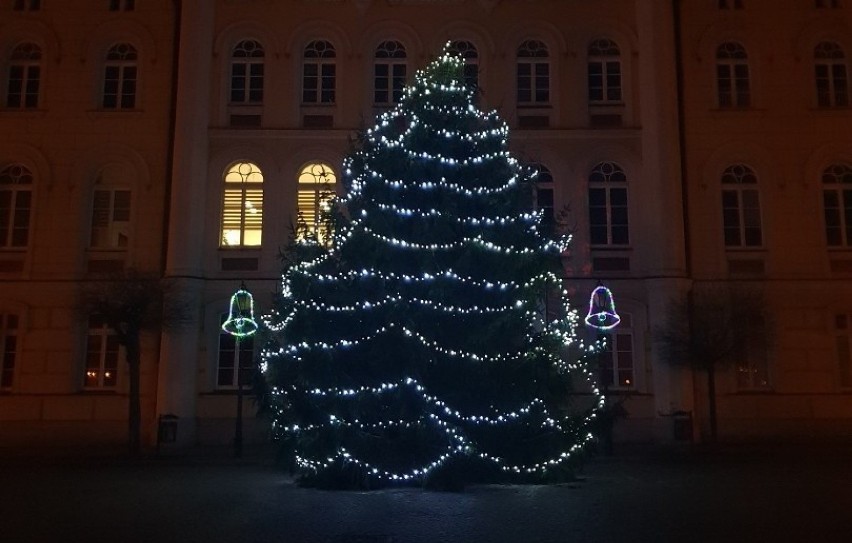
380	202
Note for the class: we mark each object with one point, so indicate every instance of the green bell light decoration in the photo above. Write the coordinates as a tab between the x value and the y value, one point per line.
602	314
240	322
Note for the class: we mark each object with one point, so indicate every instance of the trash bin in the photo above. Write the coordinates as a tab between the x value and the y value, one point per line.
167	429
682	425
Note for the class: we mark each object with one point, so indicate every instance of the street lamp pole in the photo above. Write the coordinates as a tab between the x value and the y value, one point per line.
240	324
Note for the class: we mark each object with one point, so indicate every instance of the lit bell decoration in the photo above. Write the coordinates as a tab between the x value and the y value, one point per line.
602	313
240	320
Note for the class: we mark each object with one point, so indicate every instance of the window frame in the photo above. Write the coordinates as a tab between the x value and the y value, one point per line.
544	197
316	194
252	61
320	62
109	352
30	66
741	182
753	366
26	5
25	180
843	348
835	180
604	59
613	360
529	55
123	69
831	75
122	5
467	50
392	56
113	228
10	325
244	180
608	183
239	367
732	57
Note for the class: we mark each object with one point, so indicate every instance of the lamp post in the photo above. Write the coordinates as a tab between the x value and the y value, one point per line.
240	324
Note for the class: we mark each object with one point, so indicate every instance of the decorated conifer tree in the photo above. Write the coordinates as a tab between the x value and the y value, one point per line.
414	345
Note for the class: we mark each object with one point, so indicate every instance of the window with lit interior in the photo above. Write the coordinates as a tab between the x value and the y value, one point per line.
317	185
604	72
242	211
741	207
533	74
837	204
608	224
732	76
22	86
120	75
102	353
319	73
16	200
831	78
247	63
389	73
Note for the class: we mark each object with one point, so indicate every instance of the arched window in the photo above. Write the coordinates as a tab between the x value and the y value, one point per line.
830	72
16	201
533	73
837	204
616	360
544	197
242	211
102	355
235	360
389	73
467	51
111	208
318	73
24	76
604	72
741	207
316	188
120	75
247	73
732	77
608	205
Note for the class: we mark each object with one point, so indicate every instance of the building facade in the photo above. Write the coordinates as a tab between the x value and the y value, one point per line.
689	143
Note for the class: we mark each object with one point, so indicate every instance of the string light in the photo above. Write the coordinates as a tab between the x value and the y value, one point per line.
317	292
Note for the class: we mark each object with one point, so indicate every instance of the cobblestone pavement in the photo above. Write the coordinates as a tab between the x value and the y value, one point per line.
802	495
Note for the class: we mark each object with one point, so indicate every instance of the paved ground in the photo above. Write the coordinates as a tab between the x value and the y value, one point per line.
796	495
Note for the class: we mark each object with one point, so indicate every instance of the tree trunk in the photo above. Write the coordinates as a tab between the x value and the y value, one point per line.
711	400
134	410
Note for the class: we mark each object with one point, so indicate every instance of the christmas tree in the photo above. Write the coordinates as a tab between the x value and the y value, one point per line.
412	343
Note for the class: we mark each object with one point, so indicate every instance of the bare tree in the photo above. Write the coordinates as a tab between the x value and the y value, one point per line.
131	303
711	329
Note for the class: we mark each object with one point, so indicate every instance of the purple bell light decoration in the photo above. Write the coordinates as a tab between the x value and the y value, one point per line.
602	314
